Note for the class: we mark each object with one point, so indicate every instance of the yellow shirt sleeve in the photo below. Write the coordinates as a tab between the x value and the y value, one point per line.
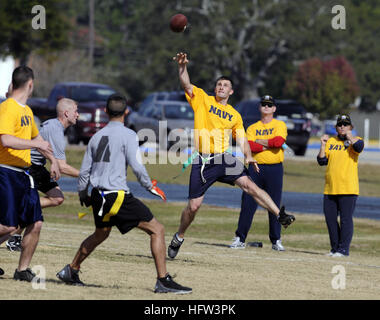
197	98
8	119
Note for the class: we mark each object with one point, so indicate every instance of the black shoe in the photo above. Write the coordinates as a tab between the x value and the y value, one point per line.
70	276
285	219
174	246
24	275
1	272
14	243
166	284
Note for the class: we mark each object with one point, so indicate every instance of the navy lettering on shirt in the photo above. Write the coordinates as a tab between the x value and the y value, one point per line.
220	113
336	147
264	132
26	120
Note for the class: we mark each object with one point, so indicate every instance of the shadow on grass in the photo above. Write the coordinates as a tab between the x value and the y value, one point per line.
307	252
213	244
253	246
150	257
86	285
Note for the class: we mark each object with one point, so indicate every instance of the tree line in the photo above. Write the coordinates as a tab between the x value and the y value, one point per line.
287	48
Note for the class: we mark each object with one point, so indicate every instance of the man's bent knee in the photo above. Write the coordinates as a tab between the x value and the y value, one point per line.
247	185
101	234
193	207
56	201
7	229
37	226
152	227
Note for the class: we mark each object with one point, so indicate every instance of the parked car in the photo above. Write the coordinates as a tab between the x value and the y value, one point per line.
91	98
163	96
178	114
289	111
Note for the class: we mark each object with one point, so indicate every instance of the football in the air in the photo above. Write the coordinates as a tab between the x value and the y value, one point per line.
178	22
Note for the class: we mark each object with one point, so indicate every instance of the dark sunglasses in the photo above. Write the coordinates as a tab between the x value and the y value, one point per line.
269	104
344	124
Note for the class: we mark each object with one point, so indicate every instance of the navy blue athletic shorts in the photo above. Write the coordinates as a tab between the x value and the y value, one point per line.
19	202
131	211
224	168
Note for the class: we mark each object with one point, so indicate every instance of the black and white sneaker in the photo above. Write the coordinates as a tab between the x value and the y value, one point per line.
167	284
70	276
285	219
14	243
174	246
24	275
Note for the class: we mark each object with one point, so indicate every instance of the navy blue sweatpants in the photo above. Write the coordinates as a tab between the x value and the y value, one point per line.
270	179
340	234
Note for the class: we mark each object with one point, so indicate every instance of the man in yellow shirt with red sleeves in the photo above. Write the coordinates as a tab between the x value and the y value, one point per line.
265	138
340	154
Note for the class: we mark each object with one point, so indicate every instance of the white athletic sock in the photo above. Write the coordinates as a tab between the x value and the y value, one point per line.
178	237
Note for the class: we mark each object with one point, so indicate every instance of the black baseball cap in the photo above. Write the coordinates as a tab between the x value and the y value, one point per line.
267	99
344	118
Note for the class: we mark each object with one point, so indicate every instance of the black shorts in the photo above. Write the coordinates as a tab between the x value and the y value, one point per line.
224	168
41	178
119	209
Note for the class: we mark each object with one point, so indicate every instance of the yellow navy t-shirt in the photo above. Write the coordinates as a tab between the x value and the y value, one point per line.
16	120
259	130
342	168
213	122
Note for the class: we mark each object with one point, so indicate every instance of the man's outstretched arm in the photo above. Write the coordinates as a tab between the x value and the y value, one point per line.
184	77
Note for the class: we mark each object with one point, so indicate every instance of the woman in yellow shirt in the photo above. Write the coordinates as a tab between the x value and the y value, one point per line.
340	154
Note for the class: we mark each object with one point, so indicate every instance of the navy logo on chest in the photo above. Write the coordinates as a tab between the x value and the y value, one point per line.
264	132
26	121
220	113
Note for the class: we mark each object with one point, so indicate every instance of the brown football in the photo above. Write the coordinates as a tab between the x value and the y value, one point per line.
178	22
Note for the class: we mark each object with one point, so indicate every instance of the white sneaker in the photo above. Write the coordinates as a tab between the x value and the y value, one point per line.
330	254
278	246
237	244
338	255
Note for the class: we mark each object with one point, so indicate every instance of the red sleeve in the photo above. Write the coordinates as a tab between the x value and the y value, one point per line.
255	147
276	142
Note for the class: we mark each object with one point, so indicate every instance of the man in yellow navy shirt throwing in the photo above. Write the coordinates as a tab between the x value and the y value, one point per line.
340	154
214	121
19	200
265	138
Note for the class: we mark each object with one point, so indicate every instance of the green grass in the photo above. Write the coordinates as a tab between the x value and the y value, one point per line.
211	222
122	266
299	176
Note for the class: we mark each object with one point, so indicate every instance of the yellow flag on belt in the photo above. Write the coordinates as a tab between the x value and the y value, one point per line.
81	214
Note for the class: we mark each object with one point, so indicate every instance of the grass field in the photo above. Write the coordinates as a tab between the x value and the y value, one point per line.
122	267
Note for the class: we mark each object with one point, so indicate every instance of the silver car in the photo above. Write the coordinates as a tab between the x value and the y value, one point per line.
165	122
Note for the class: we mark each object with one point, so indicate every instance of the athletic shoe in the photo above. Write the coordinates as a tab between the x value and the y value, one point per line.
1	272
285	219
237	244
330	254
278	246
70	276
14	243
24	275
166	284
174	246
338	255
